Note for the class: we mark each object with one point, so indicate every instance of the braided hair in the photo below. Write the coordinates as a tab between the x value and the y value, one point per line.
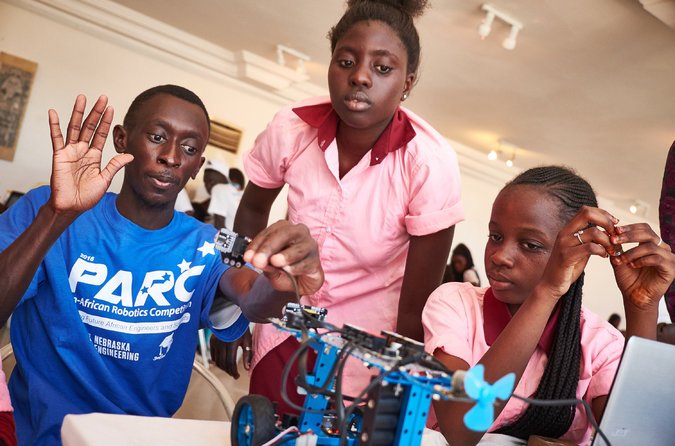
561	376
398	14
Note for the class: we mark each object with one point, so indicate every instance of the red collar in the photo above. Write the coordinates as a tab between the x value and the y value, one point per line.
496	316
397	134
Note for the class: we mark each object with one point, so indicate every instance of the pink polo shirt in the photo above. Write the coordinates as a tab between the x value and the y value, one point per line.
5	402
454	322
407	185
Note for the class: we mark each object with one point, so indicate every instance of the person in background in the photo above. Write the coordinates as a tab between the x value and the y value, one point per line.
108	290
615	320
183	203
461	267
215	173
225	195
378	187
237	179
666	328
667	217
544	227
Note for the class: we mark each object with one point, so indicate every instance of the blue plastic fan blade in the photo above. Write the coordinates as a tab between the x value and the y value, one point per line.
480	417
504	386
474	381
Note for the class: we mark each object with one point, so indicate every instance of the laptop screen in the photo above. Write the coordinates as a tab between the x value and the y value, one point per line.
641	405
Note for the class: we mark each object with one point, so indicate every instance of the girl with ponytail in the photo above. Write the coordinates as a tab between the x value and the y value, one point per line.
376	185
544	226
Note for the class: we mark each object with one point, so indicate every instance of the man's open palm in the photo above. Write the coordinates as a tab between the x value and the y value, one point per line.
78	182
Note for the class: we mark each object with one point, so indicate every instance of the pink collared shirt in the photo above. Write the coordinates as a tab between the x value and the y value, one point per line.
362	222
5	402
453	321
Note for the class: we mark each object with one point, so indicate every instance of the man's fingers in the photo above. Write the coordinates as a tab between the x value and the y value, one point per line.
101	132
216	352
77	131
248	358
75	123
55	131
293	242
115	164
294	256
91	123
247	345
232	361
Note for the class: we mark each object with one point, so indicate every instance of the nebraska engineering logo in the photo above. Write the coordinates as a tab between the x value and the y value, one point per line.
162	296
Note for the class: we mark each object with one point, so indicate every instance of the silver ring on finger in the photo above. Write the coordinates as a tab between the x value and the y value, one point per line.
578	236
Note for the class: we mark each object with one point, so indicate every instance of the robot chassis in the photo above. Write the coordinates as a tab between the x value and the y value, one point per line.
395	404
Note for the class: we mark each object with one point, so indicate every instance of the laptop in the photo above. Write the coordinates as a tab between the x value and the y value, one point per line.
641	405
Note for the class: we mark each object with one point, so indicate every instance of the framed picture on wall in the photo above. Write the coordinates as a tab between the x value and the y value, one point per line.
16	80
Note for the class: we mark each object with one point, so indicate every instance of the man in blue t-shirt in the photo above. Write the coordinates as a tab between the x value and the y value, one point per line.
106	290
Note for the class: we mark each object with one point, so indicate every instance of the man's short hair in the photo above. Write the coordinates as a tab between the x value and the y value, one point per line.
173	90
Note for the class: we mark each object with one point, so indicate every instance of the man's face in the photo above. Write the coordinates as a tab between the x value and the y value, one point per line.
167	141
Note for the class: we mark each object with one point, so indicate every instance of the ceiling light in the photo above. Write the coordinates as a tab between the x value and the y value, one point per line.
485	27
639	207
505	148
510	42
512	158
300	67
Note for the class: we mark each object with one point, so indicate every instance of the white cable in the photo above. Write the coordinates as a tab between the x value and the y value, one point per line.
281	434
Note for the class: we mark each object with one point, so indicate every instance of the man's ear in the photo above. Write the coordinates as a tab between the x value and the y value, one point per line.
201	163
120	138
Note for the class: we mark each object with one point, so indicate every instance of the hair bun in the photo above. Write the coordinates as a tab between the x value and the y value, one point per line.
413	8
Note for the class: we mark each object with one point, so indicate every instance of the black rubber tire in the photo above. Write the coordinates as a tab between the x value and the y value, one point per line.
262	428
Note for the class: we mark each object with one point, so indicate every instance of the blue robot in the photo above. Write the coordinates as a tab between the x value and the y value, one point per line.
391	410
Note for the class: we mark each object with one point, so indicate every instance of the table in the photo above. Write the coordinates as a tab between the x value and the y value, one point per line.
97	429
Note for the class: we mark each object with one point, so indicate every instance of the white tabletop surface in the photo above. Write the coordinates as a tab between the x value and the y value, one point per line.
98	429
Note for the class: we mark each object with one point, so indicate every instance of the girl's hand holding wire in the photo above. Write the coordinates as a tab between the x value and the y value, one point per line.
286	253
588	233
643	272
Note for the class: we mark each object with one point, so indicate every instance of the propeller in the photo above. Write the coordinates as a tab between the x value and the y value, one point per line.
481	415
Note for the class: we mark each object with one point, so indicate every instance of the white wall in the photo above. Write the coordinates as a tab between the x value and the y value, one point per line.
78	57
72	61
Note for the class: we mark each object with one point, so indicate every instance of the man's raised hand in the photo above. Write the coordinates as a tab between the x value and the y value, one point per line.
77	181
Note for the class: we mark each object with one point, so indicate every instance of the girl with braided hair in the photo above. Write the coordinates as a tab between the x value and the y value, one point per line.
544	227
377	186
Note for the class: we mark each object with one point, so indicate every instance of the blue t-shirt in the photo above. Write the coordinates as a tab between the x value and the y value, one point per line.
108	323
